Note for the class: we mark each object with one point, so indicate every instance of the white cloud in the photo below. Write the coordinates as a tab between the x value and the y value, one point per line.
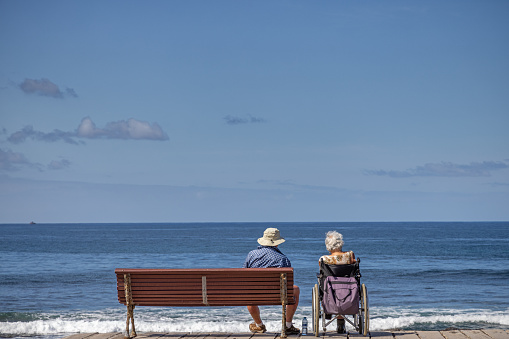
445	169
45	87
87	129
59	164
130	129
234	120
29	132
13	161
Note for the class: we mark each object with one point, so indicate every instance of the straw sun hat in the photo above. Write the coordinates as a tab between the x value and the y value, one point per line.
271	237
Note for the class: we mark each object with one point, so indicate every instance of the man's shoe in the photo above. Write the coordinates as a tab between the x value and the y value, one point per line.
257	329
292	330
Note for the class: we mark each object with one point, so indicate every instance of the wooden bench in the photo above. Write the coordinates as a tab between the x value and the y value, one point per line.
204	287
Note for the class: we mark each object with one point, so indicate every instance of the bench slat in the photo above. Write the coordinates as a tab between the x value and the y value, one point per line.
184	304
141	286
140	299
198	278
137	278
136	294
196	292
191	271
211	302
210	282
155	286
210	290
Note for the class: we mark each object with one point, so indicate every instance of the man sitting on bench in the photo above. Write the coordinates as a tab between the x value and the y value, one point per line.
265	256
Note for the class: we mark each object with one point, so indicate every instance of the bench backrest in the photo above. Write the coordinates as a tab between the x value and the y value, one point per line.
205	287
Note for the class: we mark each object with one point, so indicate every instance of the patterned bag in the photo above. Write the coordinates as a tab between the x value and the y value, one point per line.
341	295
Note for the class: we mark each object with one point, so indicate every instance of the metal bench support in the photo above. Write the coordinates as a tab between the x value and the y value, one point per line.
284	302
130	307
204	290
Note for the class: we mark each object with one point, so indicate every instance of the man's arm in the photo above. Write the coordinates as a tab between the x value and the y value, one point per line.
247	262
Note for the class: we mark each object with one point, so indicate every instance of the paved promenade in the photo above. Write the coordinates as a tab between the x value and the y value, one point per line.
452	334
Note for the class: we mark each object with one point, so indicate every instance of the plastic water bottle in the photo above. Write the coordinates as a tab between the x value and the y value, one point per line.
304	326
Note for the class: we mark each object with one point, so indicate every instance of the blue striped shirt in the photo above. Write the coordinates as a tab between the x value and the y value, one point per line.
265	257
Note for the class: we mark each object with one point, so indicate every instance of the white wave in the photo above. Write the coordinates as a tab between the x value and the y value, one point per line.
58	326
385	318
234	320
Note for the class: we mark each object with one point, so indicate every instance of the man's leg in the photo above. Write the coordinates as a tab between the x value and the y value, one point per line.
255	313
257	326
290	309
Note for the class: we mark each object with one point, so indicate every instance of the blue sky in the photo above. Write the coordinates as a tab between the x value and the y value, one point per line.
176	111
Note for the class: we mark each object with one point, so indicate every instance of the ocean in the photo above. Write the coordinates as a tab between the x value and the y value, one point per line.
58	279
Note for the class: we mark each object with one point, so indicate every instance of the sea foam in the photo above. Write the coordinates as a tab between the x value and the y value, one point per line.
236	320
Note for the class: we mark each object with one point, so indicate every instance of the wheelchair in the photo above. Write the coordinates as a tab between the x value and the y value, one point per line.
359	320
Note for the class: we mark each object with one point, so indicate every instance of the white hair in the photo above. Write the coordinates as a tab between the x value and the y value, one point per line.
334	241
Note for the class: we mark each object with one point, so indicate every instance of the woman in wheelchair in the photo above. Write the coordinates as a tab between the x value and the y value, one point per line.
339	291
334	244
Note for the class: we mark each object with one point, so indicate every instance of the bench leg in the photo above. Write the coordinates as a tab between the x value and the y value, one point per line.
126	333
130	307
284	301
133	332
130	317
283	329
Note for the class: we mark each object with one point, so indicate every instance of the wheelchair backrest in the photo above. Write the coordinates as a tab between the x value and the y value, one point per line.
350	270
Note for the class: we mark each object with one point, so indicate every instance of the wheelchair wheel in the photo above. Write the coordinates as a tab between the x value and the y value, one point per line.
316	311
364	318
